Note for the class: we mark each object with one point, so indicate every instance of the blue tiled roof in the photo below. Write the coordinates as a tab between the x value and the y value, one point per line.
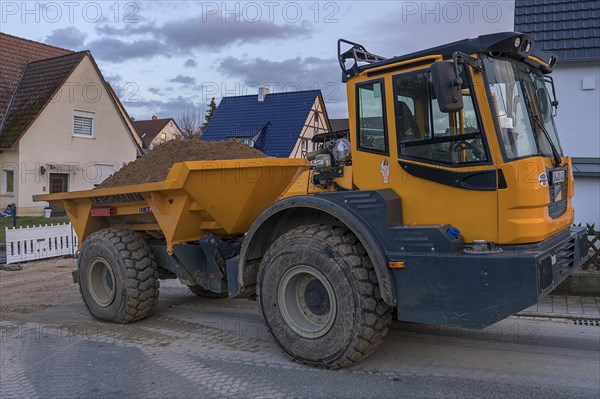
281	116
569	28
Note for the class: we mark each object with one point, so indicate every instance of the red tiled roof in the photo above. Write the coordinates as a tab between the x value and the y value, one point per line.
149	129
15	53
39	83
30	75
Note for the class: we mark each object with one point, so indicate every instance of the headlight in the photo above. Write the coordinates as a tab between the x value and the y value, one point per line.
517	42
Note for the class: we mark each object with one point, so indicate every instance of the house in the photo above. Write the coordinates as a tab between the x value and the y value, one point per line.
571	29
155	131
340	126
279	124
62	127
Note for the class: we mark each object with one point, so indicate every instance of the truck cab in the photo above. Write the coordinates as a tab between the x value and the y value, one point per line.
458	147
493	167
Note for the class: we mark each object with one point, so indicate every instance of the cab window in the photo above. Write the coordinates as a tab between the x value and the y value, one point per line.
372	134
425	133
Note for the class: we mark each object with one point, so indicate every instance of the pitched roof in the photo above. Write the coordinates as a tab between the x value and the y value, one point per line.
279	119
38	84
149	129
15	53
569	28
31	73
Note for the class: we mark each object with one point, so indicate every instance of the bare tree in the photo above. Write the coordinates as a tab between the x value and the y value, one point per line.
190	122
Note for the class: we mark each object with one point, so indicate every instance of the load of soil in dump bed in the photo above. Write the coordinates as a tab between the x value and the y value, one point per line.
155	165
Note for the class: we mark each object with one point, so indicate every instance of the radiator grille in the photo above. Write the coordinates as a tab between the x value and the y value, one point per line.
558	197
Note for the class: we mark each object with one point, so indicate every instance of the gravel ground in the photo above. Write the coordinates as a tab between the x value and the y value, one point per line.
38	286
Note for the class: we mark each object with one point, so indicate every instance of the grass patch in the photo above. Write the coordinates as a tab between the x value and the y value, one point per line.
24	221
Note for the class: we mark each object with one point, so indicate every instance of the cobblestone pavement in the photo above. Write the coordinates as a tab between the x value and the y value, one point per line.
198	347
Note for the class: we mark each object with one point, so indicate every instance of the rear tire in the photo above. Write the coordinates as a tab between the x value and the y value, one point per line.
200	291
319	297
118	277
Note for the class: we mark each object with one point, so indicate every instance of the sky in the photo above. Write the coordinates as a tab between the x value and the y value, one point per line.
164	58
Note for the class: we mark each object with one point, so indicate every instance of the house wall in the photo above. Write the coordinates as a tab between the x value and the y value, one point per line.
587	201
50	140
170	129
310	129
578	118
578	123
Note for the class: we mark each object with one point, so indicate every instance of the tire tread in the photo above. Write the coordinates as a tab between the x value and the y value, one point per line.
141	272
377	313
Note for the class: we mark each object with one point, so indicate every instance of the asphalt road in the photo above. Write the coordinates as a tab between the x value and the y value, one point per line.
196	347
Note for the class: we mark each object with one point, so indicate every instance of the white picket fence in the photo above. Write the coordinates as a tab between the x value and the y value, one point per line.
40	242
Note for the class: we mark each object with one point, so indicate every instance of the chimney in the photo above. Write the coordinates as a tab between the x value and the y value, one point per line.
262	93
154	117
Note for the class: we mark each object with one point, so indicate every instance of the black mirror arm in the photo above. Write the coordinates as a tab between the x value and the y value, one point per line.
461	57
554	102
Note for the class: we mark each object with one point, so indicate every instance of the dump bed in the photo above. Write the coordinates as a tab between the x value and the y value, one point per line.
196	198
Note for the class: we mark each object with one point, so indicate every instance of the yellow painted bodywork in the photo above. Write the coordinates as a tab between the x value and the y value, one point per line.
225	197
197	198
515	215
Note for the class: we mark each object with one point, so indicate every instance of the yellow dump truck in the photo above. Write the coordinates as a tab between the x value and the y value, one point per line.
449	203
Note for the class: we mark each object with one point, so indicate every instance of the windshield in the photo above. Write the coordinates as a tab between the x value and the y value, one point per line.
522	104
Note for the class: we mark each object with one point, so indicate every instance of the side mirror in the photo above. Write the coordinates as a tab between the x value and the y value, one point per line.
446	85
544	100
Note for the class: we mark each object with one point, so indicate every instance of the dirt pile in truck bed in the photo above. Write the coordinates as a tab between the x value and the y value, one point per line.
155	165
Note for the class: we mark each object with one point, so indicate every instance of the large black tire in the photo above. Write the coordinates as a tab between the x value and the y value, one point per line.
319	297
118	277
201	292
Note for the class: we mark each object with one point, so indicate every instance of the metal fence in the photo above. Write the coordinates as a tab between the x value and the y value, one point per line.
40	242
593	264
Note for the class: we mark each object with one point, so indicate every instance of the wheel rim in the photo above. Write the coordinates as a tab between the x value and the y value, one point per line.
307	301
101	281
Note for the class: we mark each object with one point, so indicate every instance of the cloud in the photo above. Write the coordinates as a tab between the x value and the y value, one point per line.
128	30
183	79
69	37
170	108
183	36
211	32
113	78
190	63
292	75
154	90
115	50
304	72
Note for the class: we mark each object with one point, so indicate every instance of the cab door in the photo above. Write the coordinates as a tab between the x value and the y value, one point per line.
438	163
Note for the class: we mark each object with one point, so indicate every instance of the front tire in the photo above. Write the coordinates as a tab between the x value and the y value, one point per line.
319	297
118	277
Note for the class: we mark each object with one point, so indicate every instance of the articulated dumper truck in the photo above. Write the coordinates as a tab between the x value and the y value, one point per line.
450	203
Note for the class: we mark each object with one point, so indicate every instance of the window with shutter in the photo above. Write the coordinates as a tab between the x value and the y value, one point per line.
83	123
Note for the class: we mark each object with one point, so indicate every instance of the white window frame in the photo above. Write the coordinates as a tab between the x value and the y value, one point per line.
304	145
5	181
247	140
85	114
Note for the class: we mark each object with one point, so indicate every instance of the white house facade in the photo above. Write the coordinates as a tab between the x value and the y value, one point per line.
78	136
